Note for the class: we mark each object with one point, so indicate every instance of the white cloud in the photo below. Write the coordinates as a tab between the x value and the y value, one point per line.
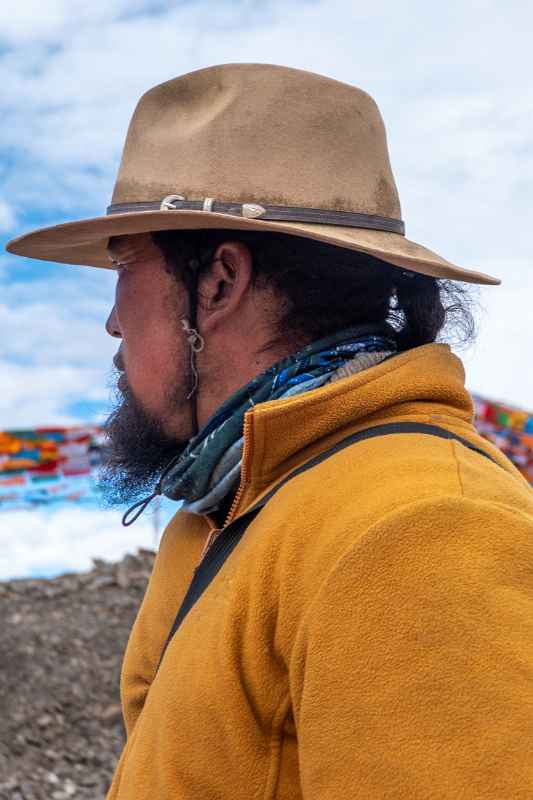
56	352
7	217
57	322
34	395
499	364
30	21
66	539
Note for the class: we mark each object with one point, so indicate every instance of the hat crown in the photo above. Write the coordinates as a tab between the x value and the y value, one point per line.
258	133
252	147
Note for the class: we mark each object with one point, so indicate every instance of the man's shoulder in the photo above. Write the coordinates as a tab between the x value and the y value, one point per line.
356	486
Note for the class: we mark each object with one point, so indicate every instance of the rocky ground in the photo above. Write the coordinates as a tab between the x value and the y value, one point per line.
61	646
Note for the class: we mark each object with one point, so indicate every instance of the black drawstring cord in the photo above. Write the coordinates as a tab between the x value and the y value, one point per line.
140	506
194	265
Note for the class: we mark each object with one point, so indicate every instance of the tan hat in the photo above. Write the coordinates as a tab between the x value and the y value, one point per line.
252	147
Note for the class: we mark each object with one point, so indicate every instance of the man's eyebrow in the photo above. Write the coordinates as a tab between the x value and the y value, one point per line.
116	244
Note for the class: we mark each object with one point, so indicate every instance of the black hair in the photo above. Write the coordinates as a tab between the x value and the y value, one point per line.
326	288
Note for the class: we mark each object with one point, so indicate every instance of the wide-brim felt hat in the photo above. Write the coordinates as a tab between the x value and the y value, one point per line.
252	147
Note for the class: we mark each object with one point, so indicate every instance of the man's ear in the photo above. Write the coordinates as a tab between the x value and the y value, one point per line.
225	285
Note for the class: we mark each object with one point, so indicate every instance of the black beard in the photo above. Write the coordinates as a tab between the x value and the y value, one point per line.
137	453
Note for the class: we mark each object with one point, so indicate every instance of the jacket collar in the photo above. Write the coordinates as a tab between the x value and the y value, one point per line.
282	434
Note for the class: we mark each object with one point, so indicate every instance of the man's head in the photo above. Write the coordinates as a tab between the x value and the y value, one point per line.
258	298
236	318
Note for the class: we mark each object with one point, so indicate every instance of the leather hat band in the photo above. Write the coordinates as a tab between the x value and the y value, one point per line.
345	219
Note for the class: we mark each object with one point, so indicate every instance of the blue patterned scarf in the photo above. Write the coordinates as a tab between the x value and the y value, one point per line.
209	469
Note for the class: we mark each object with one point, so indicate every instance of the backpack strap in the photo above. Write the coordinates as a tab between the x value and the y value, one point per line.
230	536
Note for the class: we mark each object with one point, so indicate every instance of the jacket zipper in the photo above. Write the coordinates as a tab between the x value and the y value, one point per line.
215	533
247	430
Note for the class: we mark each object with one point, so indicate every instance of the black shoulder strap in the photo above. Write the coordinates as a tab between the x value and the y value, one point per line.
230	536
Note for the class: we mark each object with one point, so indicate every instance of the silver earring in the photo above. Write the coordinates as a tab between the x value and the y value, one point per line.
196	341
196	344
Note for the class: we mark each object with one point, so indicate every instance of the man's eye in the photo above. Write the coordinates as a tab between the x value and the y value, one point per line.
118	266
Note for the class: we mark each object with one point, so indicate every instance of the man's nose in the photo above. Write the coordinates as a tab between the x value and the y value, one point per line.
112	326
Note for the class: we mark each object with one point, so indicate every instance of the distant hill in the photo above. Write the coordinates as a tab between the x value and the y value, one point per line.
61	645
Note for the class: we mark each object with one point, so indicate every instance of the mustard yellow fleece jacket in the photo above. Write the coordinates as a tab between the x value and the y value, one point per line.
371	636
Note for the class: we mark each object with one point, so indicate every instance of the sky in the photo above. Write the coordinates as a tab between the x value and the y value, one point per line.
452	82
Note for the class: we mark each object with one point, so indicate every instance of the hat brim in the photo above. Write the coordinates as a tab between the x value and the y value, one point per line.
85	241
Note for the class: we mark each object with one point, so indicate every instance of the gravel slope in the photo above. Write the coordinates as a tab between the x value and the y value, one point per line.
61	647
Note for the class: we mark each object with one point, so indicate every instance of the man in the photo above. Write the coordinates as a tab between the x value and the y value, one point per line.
343	606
